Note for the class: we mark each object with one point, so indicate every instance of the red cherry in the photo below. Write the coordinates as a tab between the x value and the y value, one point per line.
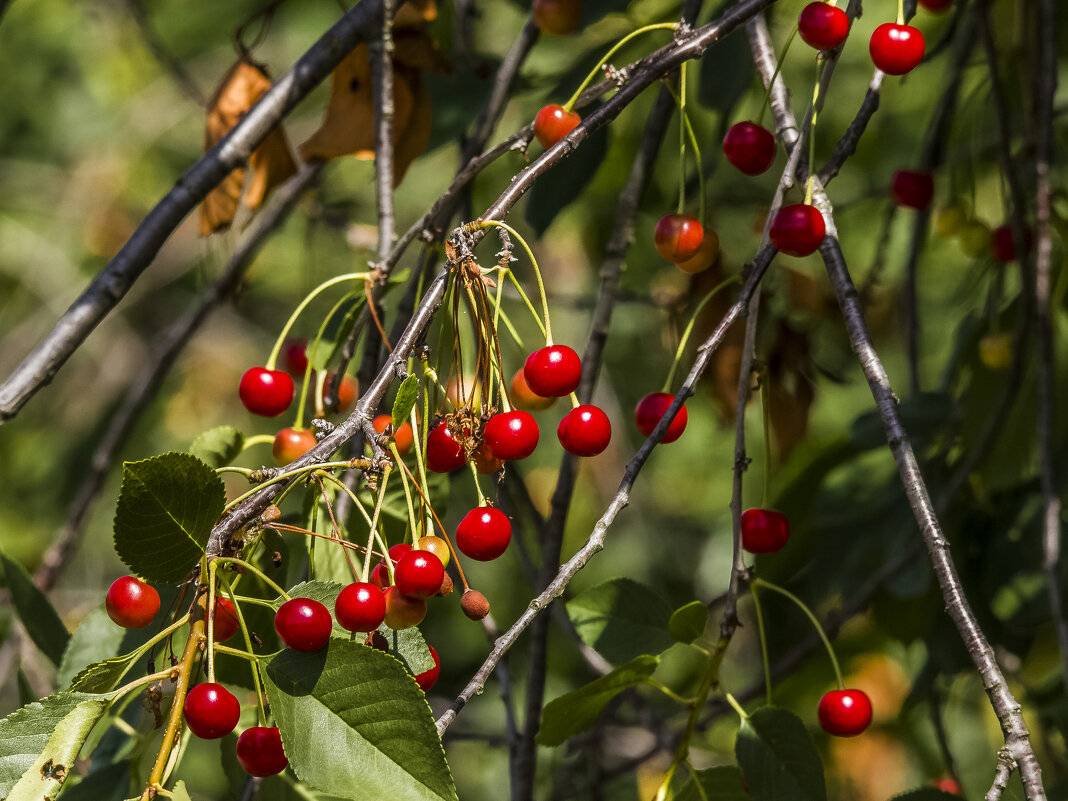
419	574
402	612
266	392
290	444
764	530
649	411
798	230
678	237
131	603
360	607
211	711
823	26
303	624
525	397
912	189
845	713
511	435
948	784
585	431
259	751
443	453
1003	244
896	49
380	575
402	437
484	534
553	371
557	17
553	123
428	678
749	147
295	356
226	623
936	5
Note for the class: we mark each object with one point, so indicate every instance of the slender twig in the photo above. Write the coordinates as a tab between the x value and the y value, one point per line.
1004	769
163	54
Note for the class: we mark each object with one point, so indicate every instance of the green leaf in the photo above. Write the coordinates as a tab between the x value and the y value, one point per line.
622	619
322	351
559	187
95	640
167	506
403	404
688	622
104	676
35	611
40	741
375	734
218	446
720	784
577	711
179	793
778	758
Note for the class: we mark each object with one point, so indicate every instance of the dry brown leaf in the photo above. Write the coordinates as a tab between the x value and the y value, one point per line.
414	13
272	165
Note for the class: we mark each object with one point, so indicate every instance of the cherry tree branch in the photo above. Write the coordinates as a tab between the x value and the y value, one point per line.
382	75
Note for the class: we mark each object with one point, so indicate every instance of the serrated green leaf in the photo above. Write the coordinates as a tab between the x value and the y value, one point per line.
577	711
720	784
407	394
621	619
778	758
926	794
375	734
95	640
688	622
218	446
40	741
36	612
179	793
322	351
103	676
167	506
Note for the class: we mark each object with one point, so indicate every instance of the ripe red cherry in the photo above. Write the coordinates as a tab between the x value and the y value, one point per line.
259	751
896	49
419	574
131	603
303	624
845	713
553	123
511	435
428	678
912	189
484	534
380	575
936	5
585	431
1003	245
266	392
443	453
403	612
525	397
750	147
947	784
798	229
211	711
295	356
823	26
649	411
764	530
557	17
360	607
553	371
226	623
678	237
290	444
402	437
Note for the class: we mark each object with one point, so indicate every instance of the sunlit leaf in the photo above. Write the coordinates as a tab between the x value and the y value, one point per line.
622	619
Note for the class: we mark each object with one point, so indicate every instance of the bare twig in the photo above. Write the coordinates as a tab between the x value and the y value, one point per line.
382	74
1002	772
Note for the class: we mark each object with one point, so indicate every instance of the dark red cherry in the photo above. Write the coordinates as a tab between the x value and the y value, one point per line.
798	230
912	189
553	123
226	624
896	49
259	751
678	237
749	147
380	575
211	711
649	411
131	603
484	534
845	713
511	435
443	453
553	371
295	357
360	607
764	530
266	392
557	17
1003	245
428	678
823	26
419	574
585	431
935	5
303	624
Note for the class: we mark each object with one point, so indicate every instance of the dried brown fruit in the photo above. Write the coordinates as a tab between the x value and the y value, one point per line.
446	586
474	604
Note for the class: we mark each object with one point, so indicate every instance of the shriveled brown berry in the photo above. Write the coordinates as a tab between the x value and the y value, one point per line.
474	604
446	586
377	640
271	513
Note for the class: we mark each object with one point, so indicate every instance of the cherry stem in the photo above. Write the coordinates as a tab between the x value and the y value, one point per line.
308	367
282	528
660	26
737	707
685	117
420	447
574	400
523	295
258	439
248	645
478	487
285	477
444	533
765	409
230	560
812	132
537	272
374	529
273	358
763	644
407	490
759	582
900	12
734	279
680	99
211	621
335	529
778	67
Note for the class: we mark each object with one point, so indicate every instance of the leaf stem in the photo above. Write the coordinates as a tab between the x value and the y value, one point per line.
534	263
252	569
254	665
759	582
273	358
763	644
689	329
660	26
